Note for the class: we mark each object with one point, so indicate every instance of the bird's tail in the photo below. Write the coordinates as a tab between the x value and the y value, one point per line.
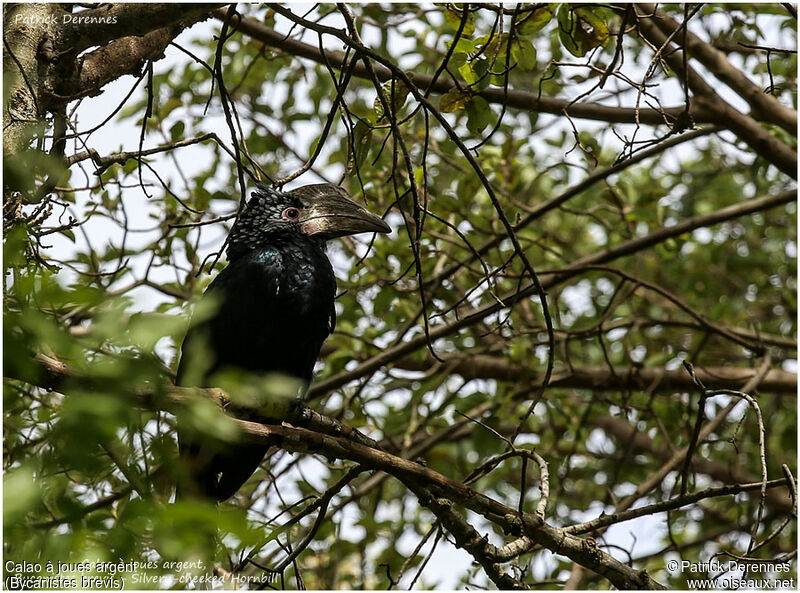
196	477
215	474
236	467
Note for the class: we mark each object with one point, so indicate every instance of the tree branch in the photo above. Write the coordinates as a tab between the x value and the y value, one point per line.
764	106
583	551
602	378
511	98
745	127
24	25
625	433
475	315
98	26
672	504
430	485
122	56
104	162
542	208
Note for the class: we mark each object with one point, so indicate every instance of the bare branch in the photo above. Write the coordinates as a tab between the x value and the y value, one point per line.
97	26
765	106
748	129
122	56
511	98
484	366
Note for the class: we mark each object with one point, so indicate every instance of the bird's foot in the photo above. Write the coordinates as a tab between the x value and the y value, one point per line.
299	413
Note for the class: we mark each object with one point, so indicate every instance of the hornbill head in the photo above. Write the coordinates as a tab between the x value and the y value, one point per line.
329	212
322	211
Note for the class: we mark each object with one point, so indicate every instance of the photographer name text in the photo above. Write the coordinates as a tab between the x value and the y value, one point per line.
64	19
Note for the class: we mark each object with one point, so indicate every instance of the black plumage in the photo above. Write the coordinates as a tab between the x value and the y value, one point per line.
273	309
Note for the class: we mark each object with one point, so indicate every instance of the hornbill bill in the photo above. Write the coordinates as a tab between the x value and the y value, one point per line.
274	309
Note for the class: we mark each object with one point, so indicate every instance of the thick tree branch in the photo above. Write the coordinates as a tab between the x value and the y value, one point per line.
766	145
511	98
483	366
764	106
122	56
24	25
583	551
468	538
98	26
430	485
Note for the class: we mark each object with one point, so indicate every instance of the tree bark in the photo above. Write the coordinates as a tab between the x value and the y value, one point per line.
44	71
25	27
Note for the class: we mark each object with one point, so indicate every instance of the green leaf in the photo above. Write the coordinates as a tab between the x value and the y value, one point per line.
581	29
497	47
396	93
536	20
176	131
457	60
20	494
171	105
524	54
130	165
362	140
479	115
148	328
453	21
468	73
474	71
464	45
453	100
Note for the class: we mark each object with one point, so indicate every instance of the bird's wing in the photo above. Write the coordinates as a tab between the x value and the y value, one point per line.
270	313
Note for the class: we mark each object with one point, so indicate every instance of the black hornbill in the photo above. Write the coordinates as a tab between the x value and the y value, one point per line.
274	309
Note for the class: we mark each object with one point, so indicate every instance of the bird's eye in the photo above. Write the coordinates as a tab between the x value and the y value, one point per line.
291	214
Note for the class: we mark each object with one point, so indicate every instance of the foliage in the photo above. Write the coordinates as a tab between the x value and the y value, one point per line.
501	142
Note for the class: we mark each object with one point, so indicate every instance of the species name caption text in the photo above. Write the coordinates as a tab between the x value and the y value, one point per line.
779	571
117	575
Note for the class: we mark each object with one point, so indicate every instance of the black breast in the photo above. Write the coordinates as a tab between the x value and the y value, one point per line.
275	309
